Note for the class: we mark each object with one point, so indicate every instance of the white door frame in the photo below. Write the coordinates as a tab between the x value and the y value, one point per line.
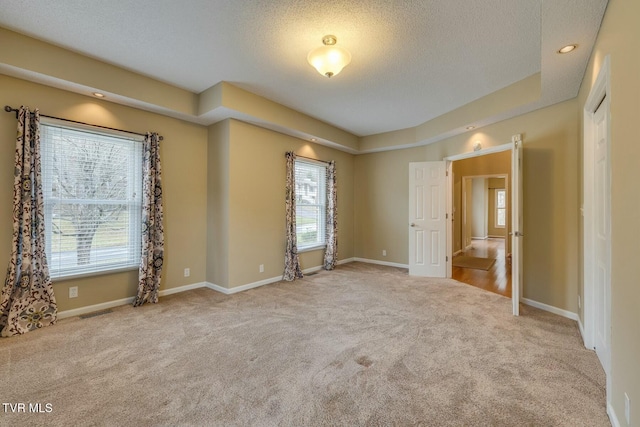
449	165
600	90
517	223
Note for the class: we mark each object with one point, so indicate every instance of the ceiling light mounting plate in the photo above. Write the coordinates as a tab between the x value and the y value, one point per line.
329	40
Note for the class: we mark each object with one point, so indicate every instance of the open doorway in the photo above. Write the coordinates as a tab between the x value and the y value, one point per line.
480	221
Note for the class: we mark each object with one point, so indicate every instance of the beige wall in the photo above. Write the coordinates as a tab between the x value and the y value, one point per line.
550	205
255	203
619	38
478	213
184	149
218	204
223	188
40	59
462	225
487	107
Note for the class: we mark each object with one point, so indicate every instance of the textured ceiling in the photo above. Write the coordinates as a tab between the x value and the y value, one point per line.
413	60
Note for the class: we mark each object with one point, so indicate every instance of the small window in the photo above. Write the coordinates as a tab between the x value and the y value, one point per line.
311	204
92	188
501	208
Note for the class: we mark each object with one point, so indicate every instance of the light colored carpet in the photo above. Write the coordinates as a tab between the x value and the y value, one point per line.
362	345
473	262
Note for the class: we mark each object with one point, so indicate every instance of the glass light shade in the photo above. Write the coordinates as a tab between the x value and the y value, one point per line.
329	60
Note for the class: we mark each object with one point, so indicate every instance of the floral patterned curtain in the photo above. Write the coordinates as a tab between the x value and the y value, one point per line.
152	228
291	261
331	252
27	301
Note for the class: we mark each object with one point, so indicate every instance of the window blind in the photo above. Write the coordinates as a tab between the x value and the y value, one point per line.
92	188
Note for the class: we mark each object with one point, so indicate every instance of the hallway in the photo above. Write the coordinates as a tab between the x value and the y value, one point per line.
498	278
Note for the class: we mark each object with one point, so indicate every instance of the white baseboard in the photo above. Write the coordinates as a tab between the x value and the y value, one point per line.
458	252
236	289
551	309
92	308
612	416
242	288
375	261
124	301
218	288
310	270
170	291
479	238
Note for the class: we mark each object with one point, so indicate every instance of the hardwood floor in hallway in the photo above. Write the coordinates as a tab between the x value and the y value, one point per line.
498	278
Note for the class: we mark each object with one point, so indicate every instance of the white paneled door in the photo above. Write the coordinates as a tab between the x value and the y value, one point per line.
427	219
602	224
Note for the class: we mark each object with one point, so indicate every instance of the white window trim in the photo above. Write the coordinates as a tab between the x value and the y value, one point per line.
315	245
113	268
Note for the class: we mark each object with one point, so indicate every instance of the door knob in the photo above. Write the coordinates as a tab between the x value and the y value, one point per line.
413	224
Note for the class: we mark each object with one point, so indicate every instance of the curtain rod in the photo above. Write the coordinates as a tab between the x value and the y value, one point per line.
315	160
8	109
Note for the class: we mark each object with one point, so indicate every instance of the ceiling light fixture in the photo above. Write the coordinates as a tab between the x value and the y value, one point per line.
470	127
98	94
329	59
568	48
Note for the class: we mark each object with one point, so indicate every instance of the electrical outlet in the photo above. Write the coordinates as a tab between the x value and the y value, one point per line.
627	408
187	272
261	268
73	292
384	252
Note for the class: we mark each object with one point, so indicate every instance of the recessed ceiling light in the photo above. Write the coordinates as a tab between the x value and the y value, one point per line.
568	48
98	94
470	127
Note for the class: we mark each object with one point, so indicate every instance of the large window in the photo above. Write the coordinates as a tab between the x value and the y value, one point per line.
501	208
92	187
311	204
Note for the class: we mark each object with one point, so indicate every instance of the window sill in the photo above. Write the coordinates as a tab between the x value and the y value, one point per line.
311	248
